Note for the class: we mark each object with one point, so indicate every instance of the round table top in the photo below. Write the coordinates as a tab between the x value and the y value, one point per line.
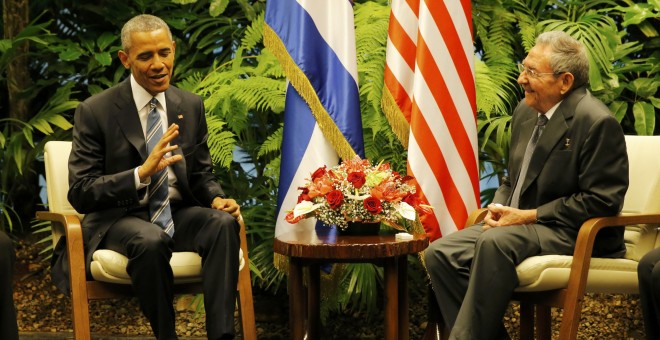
320	245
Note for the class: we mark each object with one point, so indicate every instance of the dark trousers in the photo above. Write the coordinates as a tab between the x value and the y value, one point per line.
8	327
648	272
212	234
473	274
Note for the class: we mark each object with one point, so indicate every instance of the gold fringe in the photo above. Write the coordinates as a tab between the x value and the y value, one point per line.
302	84
398	122
281	262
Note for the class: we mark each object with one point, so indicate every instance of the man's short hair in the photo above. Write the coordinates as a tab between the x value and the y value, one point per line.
567	55
142	23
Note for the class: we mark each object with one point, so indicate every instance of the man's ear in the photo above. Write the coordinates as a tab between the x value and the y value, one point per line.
123	57
567	80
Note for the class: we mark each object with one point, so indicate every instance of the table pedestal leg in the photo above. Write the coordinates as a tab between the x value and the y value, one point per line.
403	297
313	307
391	299
296	300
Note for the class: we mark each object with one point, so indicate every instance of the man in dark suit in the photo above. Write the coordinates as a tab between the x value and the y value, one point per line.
8	327
577	169
117	164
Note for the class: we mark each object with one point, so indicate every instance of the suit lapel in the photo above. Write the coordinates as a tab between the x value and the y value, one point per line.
553	133
128	119
176	116
526	128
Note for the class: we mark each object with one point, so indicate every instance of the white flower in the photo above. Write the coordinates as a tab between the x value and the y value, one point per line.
406	211
305	207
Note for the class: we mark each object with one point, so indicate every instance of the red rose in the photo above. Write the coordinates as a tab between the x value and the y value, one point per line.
335	198
372	204
357	179
319	173
411	199
303	197
408	180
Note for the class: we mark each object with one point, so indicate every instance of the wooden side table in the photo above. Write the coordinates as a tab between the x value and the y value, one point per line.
311	249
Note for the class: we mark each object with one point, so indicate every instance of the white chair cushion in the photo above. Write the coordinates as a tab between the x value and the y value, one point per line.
110	266
548	272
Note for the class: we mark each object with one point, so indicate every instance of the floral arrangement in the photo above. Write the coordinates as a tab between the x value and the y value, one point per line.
357	191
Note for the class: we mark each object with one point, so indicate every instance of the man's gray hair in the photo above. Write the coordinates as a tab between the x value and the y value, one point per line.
567	55
142	23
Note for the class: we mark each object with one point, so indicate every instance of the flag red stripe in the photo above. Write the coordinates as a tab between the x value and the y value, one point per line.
450	36
456	207
414	6
400	95
402	42
441	94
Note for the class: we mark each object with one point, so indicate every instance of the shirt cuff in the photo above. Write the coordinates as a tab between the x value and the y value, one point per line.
140	185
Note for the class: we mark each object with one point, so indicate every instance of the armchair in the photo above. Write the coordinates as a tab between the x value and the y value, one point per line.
108	268
562	280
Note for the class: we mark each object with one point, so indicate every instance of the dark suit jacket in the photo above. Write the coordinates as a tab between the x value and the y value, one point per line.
108	144
579	168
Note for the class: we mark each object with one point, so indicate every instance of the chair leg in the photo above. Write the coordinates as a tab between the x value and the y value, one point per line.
571	319
543	322
435	328
80	311
526	320
246	305
78	281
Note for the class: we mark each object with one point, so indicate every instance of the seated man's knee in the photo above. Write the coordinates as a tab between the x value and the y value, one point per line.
150	241
492	238
221	221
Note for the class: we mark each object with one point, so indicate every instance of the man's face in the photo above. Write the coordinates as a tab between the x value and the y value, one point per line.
545	90
150	59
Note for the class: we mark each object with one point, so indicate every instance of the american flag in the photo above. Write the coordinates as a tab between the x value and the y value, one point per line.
430	101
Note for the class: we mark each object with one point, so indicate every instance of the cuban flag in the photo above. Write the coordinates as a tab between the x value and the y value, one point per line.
314	40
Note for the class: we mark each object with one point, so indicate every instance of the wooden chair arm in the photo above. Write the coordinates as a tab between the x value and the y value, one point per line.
72	229
476	216
246	303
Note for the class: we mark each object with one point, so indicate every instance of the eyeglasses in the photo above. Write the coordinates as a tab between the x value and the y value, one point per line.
532	73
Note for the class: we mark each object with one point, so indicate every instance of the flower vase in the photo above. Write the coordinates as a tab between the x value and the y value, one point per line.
361	228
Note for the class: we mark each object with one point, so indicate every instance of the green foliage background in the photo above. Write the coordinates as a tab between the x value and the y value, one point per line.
220	55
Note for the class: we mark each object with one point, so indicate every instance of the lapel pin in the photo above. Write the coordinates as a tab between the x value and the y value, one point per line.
180	116
568	142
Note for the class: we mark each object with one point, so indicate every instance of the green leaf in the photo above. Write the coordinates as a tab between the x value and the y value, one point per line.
619	108
644	87
42	126
5	45
106	39
60	122
70	54
655	101
217	7
104	58
644	118
247	8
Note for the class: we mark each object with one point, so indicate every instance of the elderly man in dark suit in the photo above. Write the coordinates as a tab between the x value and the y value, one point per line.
568	163
8	327
141	171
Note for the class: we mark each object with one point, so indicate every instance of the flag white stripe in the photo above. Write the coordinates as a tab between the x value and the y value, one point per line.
318	152
337	31
438	126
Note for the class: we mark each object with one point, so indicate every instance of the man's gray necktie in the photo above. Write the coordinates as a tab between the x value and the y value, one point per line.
159	200
540	124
